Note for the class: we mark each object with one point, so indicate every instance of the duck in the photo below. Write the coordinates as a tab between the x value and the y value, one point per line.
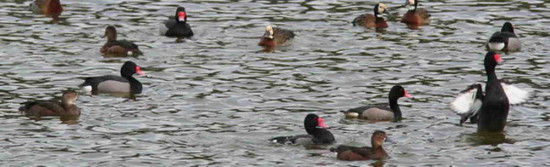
352	153
317	134
373	21
118	47
488	109
125	83
66	107
381	112
177	26
46	6
505	40
415	17
275	36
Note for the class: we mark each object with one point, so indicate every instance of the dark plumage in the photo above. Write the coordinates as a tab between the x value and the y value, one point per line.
118	47
275	36
351	153
177	26
125	83
53	107
373	21
381	112
505	40
489	110
316	133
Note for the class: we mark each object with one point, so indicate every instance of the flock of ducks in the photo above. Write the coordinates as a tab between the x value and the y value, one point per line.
488	109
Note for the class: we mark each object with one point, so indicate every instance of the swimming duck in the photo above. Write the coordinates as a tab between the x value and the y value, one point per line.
373	21
505	40
275	36
177	26
351	153
381	112
118	47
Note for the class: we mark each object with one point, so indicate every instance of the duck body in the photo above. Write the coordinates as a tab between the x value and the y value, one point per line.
505	40
125	83
414	15
352	153
177	26
275	36
317	133
53	107
381	112
373	20
370	21
46	6
118	47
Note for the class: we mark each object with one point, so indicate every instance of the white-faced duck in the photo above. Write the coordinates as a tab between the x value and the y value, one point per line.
373	21
275	36
125	83
384	112
177	26
316	133
351	153
490	109
415	16
505	40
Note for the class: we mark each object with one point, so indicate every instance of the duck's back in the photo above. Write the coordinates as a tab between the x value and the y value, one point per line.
42	108
282	36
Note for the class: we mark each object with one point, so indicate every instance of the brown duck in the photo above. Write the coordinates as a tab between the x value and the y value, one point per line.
53	107
275	36
118	47
351	153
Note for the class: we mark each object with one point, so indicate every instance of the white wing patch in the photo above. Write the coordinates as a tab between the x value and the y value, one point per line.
464	102
476	106
514	94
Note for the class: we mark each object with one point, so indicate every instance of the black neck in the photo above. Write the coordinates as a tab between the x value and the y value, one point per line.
491	75
395	108
135	85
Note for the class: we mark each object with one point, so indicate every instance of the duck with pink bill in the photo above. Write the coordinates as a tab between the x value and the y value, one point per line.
317	134
125	83
488	109
384	112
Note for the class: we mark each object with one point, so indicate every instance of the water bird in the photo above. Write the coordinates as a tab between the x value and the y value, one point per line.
275	36
381	112
65	107
488	109
177	26
116	47
316	133
414	16
505	40
352	153
373	21
125	83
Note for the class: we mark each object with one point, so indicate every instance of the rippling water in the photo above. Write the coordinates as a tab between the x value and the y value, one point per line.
216	98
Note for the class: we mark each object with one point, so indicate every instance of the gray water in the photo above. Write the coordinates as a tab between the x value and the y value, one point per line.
216	98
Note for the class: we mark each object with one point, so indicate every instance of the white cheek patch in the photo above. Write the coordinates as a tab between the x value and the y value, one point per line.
514	94
496	45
